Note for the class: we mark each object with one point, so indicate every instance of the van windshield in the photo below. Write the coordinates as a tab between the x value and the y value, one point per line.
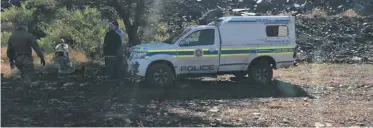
176	35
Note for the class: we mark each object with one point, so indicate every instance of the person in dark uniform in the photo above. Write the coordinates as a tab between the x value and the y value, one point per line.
112	51
20	54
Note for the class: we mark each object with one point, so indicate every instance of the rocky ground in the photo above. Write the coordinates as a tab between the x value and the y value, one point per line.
308	95
336	38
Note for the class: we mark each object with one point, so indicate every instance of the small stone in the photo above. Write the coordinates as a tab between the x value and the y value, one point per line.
360	124
68	84
330	88
286	121
319	125
213	124
214	109
256	113
238	120
328	125
128	121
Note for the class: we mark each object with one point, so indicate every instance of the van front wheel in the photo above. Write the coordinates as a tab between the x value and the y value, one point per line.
260	72
160	75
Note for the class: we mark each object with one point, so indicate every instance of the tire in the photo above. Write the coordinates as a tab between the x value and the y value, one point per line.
260	72
160	75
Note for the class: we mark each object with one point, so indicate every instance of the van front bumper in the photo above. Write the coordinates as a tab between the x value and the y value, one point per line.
138	67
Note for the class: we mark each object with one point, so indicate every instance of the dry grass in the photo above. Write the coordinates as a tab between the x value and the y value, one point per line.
317	12
328	74
300	113
75	56
335	105
350	13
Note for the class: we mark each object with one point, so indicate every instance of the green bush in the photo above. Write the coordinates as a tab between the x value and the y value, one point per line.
4	38
85	28
161	33
16	15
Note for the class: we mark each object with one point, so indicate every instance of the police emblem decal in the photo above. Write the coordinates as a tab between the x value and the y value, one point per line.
198	52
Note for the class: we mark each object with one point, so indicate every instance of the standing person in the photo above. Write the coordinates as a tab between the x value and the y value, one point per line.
19	52
122	50
112	50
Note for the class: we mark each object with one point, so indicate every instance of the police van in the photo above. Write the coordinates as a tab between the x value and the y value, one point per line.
238	45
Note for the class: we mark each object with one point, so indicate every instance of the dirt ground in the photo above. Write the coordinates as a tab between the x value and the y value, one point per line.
308	95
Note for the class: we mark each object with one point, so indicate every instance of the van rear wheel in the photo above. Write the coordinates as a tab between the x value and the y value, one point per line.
260	72
160	75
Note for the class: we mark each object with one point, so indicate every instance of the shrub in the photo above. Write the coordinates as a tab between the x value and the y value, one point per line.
350	13
317	12
85	28
161	33
16	15
4	38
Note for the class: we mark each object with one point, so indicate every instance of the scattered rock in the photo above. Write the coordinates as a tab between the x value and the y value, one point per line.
286	121
317	124
68	84
256	114
335	39
328	125
214	109
360	124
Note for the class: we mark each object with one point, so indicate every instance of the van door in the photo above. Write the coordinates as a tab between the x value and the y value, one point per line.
277	34
198	52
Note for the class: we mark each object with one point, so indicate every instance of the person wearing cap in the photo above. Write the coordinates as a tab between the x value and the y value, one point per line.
19	52
112	50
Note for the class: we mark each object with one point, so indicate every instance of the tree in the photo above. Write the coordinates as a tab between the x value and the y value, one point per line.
131	17
131	12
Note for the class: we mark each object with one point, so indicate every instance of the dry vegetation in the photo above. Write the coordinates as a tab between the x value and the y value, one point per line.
350	13
316	13
328	74
76	56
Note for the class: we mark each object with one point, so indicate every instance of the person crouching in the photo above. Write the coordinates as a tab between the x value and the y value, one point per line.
62	57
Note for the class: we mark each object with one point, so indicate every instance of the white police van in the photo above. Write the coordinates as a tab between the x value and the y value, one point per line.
239	45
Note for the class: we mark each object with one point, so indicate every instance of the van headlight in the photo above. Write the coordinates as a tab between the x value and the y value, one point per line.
138	55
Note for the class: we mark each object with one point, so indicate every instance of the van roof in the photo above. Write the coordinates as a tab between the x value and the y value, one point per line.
256	19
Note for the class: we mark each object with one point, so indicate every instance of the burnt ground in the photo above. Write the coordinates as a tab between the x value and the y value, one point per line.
308	95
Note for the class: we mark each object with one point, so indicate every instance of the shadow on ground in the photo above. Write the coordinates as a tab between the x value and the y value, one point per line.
97	101
217	90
